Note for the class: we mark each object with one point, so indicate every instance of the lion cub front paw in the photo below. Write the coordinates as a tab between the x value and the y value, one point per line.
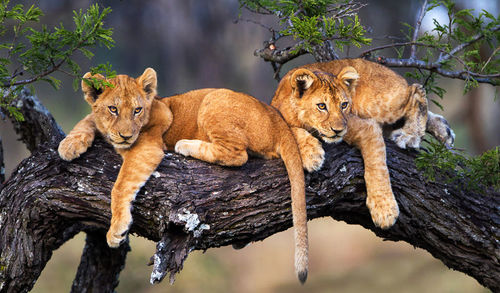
384	211
312	156
72	147
117	233
311	150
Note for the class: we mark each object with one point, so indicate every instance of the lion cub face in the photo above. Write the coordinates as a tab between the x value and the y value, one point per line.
122	110
323	101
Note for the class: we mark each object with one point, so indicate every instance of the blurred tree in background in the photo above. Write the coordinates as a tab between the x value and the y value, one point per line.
194	44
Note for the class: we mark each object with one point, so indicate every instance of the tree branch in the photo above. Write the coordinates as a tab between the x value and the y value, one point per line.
53	69
492	79
420	16
189	204
280	56
460	47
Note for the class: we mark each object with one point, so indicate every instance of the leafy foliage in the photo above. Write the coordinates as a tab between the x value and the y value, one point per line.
313	22
457	42
33	54
472	173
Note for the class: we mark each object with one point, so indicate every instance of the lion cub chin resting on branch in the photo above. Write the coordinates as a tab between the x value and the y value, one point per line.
214	125
350	99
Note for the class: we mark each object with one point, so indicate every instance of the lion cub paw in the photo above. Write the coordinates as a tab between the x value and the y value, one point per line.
73	146
384	211
440	129
404	140
117	233
312	156
311	150
187	147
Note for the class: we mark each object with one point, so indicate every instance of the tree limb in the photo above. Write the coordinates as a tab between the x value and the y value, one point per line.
189	204
416	29
493	79
281	56
460	47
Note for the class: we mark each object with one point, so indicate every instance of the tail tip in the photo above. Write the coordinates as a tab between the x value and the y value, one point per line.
302	276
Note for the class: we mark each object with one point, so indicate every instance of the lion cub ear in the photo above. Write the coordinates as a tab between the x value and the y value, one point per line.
148	82
89	91
348	76
301	80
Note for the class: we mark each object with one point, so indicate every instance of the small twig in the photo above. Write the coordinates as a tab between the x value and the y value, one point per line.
276	69
460	47
489	59
36	77
347	9
413	49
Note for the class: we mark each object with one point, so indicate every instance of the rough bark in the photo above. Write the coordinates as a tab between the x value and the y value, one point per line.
189	204
2	165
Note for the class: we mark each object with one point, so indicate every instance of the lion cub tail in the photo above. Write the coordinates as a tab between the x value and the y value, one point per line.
290	155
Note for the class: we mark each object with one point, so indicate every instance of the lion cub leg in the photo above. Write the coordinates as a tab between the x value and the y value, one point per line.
366	134
311	150
78	140
139	162
222	152
415	119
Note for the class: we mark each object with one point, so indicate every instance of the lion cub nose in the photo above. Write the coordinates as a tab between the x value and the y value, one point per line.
337	132
125	137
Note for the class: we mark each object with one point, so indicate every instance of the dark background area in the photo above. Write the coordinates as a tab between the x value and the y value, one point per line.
196	44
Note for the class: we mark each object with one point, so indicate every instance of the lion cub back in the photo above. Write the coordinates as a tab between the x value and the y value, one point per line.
380	93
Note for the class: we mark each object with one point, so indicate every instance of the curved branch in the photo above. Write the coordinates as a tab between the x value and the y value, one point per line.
460	47
281	56
493	79
189	204
421	15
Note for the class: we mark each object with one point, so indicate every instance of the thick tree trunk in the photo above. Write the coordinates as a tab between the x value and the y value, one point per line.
188	204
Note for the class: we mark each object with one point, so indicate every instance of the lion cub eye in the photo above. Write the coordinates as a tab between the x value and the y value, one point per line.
113	110
137	110
321	106
344	105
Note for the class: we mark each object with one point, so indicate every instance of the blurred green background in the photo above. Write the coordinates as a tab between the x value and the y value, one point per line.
195	44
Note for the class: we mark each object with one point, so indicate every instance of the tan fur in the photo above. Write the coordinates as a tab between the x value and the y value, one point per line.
375	95
215	125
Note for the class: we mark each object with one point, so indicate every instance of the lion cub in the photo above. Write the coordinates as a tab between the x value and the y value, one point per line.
214	125
349	100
